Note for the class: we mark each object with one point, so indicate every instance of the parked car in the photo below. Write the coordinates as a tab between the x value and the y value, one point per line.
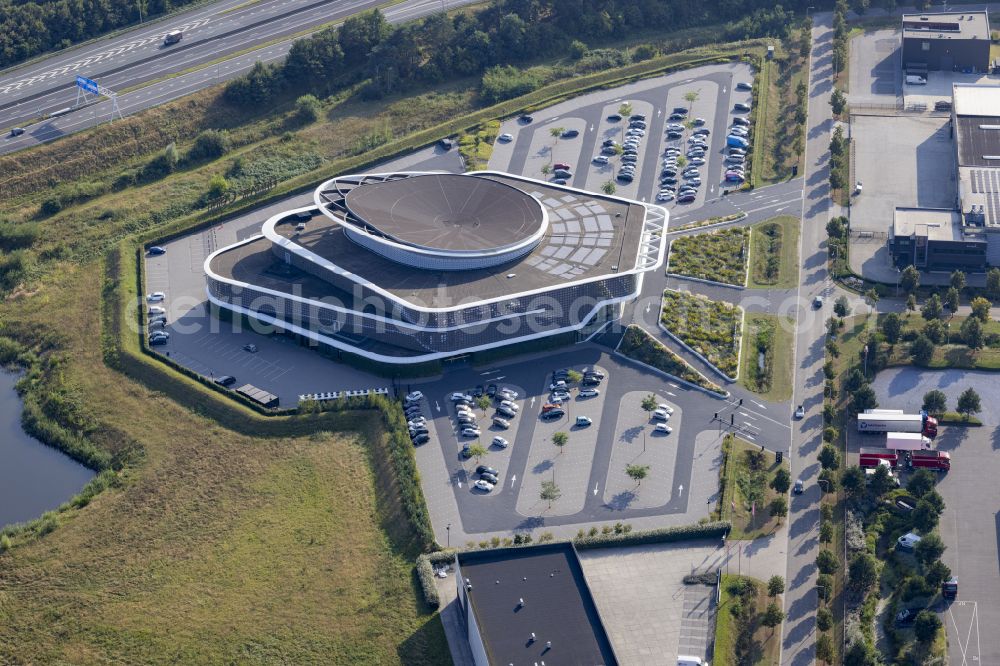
505	138
614	118
685	198
664	428
155	297
458	395
744	85
508	394
549	406
661	414
561	166
158	341
506	412
509	404
422	438
740	120
600	159
157	250
740	106
501	423
584	421
500	442
486	469
697	122
414	396
483	485
590	393
250	348
155	310
637	116
470	432
664	197
553	414
490	478
225	380
526	119
491	390
570	134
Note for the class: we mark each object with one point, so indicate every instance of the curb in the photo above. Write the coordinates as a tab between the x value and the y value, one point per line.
675	378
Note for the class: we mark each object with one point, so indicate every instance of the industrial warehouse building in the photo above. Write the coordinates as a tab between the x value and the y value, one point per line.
946	42
530	605
968	236
403	268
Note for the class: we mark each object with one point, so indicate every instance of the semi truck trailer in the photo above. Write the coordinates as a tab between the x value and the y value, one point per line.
883	422
906	441
936	460
872	457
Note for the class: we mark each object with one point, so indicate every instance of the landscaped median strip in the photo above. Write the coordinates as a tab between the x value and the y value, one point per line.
711	330
643	348
718	257
710	222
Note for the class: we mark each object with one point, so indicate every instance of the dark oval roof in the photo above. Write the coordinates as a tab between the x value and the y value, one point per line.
447	212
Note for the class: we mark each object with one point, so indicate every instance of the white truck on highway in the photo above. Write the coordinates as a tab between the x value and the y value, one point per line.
906	441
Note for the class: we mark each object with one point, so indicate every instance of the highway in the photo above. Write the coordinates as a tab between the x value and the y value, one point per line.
220	42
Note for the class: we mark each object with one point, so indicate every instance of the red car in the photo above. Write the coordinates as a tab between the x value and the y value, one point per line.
560	165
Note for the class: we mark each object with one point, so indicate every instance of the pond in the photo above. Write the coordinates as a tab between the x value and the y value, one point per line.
34	478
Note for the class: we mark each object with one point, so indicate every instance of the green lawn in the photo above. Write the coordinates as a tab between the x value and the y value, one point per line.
775	336
761	645
738	479
711	328
641	346
774	254
720	256
950	353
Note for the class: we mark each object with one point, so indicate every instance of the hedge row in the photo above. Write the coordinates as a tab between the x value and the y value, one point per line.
715	530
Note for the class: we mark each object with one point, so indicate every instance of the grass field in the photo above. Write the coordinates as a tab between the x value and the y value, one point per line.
774	254
775	336
711	328
738	479
762	646
778	141
720	256
952	353
218	547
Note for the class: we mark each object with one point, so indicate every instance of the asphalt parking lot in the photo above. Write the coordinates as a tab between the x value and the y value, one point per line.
970	525
706	92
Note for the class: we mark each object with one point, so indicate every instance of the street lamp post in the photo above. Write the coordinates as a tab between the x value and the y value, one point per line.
448	529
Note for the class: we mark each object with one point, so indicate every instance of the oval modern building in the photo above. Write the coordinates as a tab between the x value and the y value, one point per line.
412	267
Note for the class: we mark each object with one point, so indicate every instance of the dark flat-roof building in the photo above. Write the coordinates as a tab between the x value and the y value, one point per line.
946	42
402	268
531	605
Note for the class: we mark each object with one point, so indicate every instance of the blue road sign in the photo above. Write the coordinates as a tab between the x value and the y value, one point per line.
86	84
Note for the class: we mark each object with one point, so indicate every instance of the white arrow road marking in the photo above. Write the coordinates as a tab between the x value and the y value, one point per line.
758	404
748	435
723	90
680	490
672	385
512	480
595	488
532	401
591	128
781	209
488	372
437	405
459	484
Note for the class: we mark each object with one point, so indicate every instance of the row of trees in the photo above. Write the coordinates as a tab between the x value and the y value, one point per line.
506	32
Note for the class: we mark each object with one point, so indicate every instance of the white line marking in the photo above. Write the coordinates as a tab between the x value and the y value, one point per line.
437	405
680	490
758	404
595	488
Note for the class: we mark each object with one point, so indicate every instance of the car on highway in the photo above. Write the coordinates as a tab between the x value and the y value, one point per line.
500	442
16	131
584	422
505	137
470	432
482	484
501	423
800	411
664	428
590	393
156	250
570	134
600	159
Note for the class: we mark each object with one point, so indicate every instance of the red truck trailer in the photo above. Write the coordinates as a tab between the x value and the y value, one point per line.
936	460
871	457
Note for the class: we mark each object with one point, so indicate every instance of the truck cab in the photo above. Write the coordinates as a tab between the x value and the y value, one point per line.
949	589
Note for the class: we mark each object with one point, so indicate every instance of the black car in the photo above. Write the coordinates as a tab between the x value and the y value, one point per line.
157	341
560	375
492	478
569	134
594	373
674	135
486	469
526	119
614	118
590	381
678	116
608	142
680	109
157	250
418	430
225	380
491	390
625	177
422	438
553	414
637	116
506	412
478	391
668	180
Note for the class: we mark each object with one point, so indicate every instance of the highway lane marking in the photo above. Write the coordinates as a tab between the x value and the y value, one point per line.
749	416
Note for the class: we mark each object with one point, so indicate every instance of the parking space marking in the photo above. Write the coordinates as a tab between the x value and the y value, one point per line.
973	622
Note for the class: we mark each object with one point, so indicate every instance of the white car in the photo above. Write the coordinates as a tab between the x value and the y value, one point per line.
413	397
600	159
908	541
509	404
470	432
698	122
418	421
156	297
665	407
584	421
800	411
508	394
484	485
156	309
697	161
590	393
464	410
505	137
460	396
500	442
665	197
661	415
664	428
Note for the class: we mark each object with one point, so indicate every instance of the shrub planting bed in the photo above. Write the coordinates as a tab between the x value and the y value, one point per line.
711	328
641	346
719	256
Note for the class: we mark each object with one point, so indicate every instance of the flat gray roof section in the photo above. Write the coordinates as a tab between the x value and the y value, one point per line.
447	212
940	224
974	99
950	25
558	606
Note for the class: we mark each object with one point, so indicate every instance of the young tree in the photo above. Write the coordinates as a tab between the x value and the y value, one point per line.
937	573
550	492
609	187
625	109
483	402
929	550
911	303
824	586
968	402
826	531
921	483
957	280
980	309
853	480
864	398
972	333
775	586
881	481
778	506
649	403
863	572
841	307
993	283
935	402
951	300
560	439
838	101
909	279
922	350
824	619
637	473
782	481
935	331
892	328
824	647
926	626
931	308
574	377
871	298
829	457
827	562
477	451
773	616
555	133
